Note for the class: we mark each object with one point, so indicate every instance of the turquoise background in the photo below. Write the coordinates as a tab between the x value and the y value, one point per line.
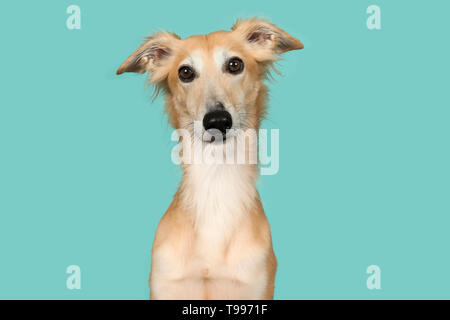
85	170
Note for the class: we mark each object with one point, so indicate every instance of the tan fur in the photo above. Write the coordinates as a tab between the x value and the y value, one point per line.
214	241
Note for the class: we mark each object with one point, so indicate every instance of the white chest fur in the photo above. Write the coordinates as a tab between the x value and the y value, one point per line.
218	196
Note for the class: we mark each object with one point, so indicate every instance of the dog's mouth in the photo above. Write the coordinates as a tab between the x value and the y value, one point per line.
215	137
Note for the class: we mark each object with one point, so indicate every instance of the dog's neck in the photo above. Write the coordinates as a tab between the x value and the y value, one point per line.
217	195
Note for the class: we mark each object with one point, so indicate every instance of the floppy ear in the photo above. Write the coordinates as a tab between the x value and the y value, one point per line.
266	40
151	55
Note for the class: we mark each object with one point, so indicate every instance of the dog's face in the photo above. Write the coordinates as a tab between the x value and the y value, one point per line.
216	79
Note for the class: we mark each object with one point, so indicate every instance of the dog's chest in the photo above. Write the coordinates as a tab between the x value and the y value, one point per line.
220	198
219	249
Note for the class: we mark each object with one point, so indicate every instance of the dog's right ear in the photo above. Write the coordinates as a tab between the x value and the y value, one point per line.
152	55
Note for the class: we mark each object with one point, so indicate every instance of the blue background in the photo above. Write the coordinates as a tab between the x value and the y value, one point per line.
85	170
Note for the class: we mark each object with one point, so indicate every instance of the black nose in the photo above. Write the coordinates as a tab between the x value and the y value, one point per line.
219	120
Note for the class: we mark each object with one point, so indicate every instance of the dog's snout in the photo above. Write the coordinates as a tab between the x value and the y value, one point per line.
219	119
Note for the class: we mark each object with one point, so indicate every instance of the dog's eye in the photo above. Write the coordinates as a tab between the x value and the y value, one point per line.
186	74
235	65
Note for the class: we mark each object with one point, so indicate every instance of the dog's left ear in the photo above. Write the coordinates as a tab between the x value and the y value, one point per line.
266	41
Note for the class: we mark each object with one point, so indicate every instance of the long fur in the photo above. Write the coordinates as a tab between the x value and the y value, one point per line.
214	241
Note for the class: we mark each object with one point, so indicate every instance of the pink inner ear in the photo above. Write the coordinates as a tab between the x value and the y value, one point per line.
260	37
160	53
154	53
254	37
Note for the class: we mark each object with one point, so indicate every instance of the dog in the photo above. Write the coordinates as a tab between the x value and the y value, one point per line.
214	241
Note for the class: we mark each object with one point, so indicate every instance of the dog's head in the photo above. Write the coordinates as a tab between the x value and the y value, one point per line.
216	79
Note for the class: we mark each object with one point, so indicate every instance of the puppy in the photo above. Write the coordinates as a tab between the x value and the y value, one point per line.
214	241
